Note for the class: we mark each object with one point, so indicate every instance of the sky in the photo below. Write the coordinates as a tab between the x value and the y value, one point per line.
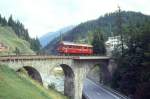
43	16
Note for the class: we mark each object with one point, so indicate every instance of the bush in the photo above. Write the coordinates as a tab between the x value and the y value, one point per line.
51	86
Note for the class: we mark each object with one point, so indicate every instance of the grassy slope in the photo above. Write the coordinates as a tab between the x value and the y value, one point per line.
8	37
14	86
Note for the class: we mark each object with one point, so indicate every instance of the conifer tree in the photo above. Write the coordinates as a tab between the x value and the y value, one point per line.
119	26
98	43
11	21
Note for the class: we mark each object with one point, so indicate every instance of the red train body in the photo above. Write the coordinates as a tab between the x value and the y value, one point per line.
73	48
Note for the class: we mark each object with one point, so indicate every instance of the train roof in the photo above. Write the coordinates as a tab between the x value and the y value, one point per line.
75	44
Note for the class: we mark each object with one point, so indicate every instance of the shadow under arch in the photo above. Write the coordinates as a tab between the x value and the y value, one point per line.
96	73
69	87
33	73
103	72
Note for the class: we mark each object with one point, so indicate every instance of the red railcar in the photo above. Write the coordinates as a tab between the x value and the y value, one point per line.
74	48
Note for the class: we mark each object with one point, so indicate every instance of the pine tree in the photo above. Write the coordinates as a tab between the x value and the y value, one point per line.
35	44
3	21
119	26
0	19
17	51
11	22
98	43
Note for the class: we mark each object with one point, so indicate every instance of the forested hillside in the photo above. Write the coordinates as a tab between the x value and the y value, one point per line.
12	41
132	76
107	24
14	35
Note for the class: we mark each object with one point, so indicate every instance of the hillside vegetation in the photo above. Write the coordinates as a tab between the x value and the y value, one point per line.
12	41
20	31
14	86
107	24
132	76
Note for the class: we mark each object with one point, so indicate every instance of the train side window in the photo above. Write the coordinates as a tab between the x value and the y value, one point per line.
70	46
78	47
65	46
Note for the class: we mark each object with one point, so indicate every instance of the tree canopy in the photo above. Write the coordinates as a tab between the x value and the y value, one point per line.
132	76
98	43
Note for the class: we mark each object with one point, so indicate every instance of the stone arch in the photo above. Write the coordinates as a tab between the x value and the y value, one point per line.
95	73
69	86
33	73
105	75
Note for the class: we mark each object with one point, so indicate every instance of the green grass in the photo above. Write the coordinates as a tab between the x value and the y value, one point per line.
10	39
18	86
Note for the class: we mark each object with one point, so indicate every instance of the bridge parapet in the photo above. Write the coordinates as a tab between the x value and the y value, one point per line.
34	57
8	58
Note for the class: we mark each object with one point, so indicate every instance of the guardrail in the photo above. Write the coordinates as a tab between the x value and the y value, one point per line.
115	92
38	57
32	57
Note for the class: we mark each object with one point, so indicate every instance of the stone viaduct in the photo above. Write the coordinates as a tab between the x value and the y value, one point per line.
75	69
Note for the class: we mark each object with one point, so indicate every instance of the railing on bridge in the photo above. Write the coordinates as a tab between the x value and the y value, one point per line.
40	57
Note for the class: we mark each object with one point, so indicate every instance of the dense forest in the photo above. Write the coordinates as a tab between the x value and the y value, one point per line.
132	76
20	31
